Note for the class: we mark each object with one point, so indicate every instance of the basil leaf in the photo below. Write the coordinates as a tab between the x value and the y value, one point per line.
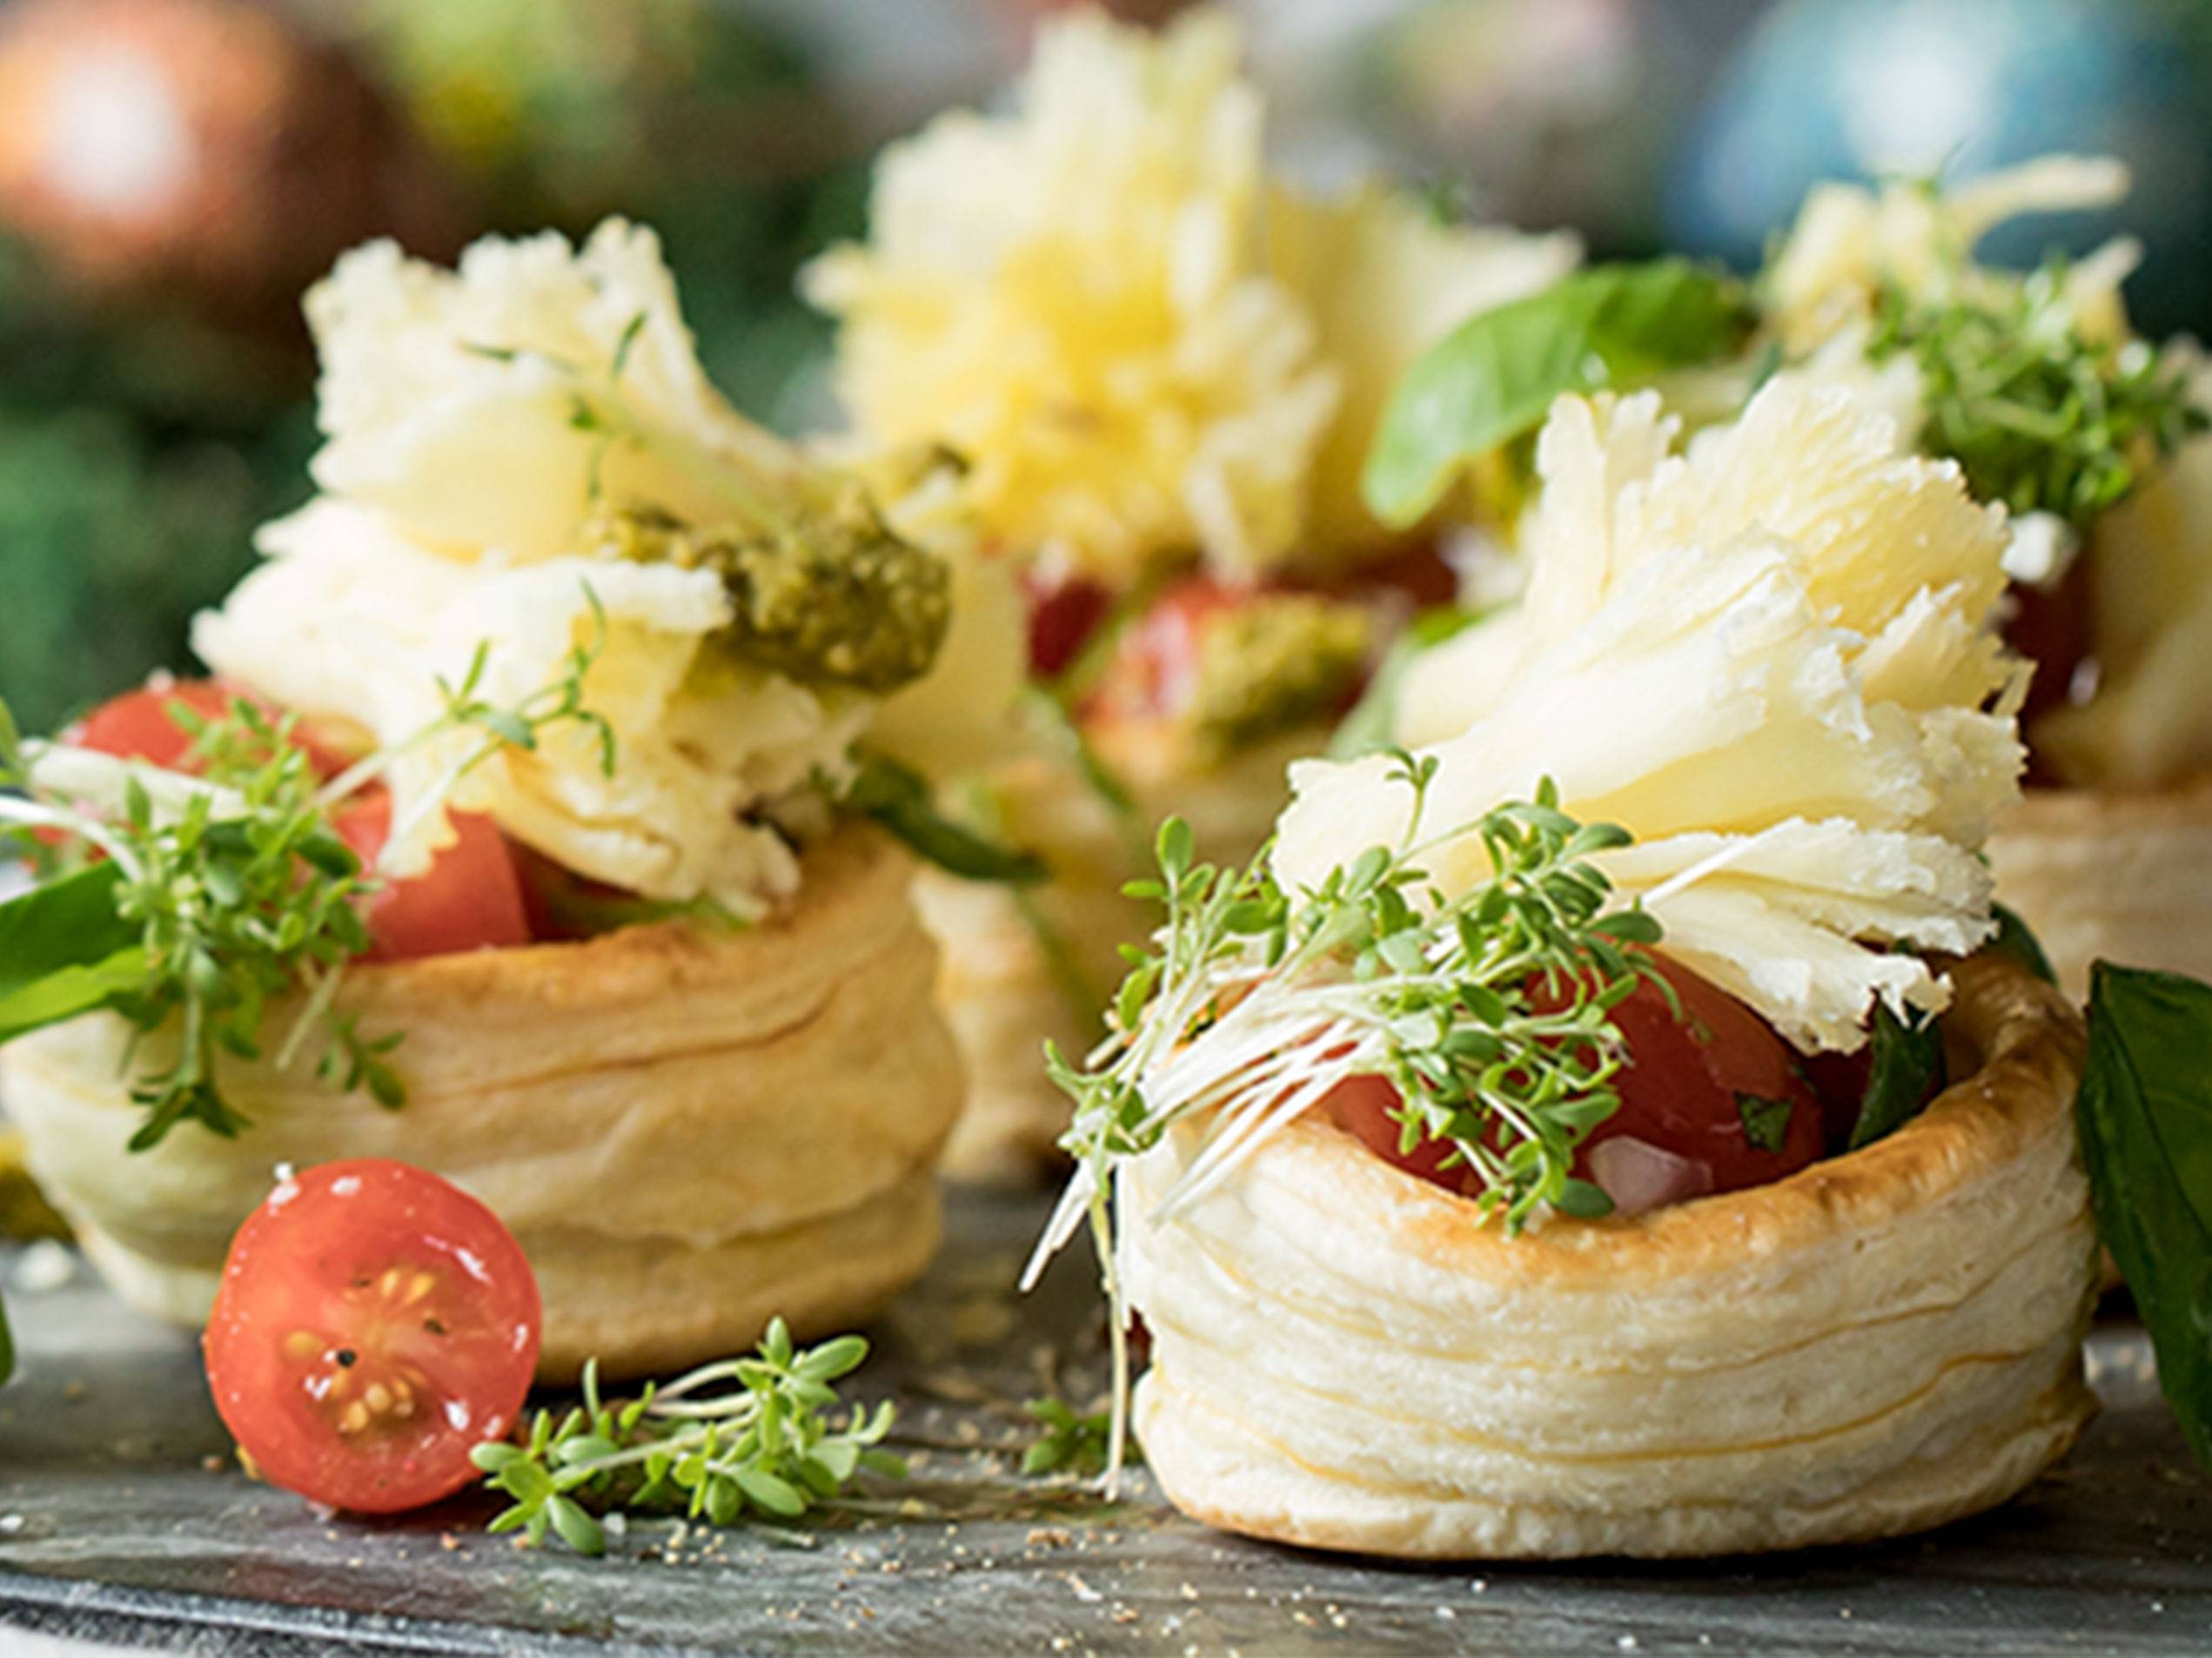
1906	1073
1372	723
2014	938
2145	1114
898	801
1497	375
1767	1122
64	951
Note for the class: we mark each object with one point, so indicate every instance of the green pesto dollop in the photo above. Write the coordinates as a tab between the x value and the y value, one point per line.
1275	663
833	599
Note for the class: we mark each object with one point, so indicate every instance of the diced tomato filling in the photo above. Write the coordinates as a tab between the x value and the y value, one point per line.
1065	612
1711	1101
1155	668
143	724
1155	660
470	898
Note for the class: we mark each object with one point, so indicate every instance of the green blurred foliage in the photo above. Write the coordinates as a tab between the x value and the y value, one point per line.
139	449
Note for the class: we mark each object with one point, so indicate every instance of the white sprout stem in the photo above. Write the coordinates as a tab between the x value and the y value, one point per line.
322	991
30	814
1102	1240
85	776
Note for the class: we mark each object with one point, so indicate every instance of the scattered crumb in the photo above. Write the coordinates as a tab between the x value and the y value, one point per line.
1051	1537
212	1464
447	1542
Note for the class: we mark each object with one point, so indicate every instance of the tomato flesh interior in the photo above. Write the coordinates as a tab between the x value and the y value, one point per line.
1714	1087
374	1324
470	897
143	724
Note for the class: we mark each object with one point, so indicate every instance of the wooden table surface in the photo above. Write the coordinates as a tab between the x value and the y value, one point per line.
123	1521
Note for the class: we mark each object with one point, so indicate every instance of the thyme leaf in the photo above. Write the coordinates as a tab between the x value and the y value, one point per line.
757	1437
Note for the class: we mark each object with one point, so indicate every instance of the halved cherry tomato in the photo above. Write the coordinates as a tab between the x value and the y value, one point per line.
374	1327
470	898
1711	1085
1707	1088
141	725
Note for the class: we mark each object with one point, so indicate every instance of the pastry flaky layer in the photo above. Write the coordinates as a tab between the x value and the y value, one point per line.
1019	969
2116	874
1344	1358
689	1132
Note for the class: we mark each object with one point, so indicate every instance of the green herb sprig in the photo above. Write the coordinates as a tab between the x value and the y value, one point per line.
900	800
221	890
775	1444
1070	1441
2038	416
1489	1010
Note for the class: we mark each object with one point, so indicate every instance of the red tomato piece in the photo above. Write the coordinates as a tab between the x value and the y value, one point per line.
470	898
1154	671
1063	616
1710	1085
138	725
1363	1106
142	724
1707	1088
374	1327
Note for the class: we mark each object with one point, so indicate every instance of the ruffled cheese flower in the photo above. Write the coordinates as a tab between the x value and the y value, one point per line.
350	621
484	411
1770	659
1141	349
1849	240
479	421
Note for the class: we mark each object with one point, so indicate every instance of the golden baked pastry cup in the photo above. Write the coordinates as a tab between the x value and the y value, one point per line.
1344	1358
2118	874
1003	992
689	1132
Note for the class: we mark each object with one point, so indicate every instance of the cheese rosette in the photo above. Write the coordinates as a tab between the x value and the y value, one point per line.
482	424
1139	343
350	619
1140	370
1849	241
1769	658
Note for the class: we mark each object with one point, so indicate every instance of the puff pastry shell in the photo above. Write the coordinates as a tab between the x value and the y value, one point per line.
2125	875
1345	1359
688	1132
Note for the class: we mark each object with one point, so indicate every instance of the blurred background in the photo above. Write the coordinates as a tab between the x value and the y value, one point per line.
173	173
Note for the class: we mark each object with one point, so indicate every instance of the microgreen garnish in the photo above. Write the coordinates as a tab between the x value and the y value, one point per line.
774	1445
1488	1010
1069	1441
2038	416
898	799
219	891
